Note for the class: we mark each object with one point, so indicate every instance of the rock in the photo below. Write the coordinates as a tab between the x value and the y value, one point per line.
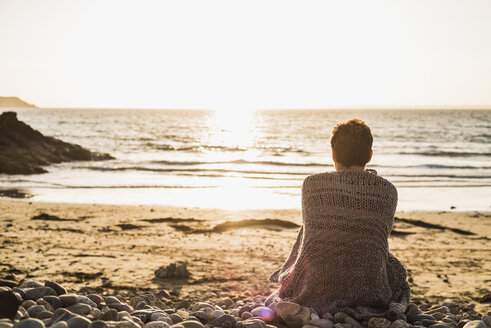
29	323
190	324
251	323
56	287
323	323
376	322
98	324
60	324
68	299
339	317
78	322
95	298
157	324
5	324
263	312
246	315
149	299
31	284
173	270
24	150
475	324
123	314
440	309
110	315
222	320
176	318
463	322
412	310
61	314
438	315
200	305
353	322
21	314
85	300
399	323
111	300
79	308
9	304
46	305
299	319
54	301
44	315
420	317
27	304
8	283
120	307
38	292
441	325
96	313
34	310
487	320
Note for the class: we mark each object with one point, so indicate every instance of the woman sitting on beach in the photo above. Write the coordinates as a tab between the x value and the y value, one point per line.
341	260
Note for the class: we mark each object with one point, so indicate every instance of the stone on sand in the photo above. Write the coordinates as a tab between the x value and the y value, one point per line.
9	304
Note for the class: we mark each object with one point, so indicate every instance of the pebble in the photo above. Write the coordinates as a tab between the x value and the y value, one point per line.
246	315
176	318
376	322
60	324
31	284
475	324
190	324
110	315
353	322
112	300
86	300
122	315
29	323
95	298
223	320
98	324
339	317
322	323
9	304
121	307
157	324
251	323
27	304
399	323
441	325
487	320
79	308
35	309
200	305
6	324
44	315
68	299
38	292
264	312
78	322
46	305
54	301
412	310
56	287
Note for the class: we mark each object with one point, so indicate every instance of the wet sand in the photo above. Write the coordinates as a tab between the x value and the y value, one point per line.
116	249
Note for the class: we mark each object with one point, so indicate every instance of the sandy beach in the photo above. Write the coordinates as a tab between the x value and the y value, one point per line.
116	250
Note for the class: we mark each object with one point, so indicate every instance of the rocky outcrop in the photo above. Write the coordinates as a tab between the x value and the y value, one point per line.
24	150
12	102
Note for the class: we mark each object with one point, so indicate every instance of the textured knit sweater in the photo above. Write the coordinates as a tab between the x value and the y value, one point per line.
341	260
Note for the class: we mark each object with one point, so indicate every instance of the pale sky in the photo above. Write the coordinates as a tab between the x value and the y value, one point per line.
246	54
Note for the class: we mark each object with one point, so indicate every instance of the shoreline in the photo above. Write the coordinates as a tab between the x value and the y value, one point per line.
118	248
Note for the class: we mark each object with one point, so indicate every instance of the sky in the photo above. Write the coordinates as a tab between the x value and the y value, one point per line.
244	55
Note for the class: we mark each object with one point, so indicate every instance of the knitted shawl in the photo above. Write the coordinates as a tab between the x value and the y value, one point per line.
341	260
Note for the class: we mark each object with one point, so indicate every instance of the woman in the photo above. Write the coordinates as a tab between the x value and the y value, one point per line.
341	260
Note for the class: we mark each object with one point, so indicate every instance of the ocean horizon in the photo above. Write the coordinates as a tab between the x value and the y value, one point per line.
437	159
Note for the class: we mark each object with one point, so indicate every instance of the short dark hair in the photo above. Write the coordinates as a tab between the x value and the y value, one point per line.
351	141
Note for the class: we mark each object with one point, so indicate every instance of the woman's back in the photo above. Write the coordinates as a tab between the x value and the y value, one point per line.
341	260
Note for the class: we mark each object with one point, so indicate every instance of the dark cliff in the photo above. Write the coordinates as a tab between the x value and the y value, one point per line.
24	150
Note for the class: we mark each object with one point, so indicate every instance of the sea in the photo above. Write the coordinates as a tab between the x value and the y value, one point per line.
438	159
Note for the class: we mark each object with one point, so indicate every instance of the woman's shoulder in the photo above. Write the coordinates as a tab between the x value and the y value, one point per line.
367	177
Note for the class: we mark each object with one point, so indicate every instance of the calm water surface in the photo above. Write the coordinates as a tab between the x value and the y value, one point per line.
436	159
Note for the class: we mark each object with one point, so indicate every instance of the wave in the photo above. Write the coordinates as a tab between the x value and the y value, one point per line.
201	148
240	161
446	154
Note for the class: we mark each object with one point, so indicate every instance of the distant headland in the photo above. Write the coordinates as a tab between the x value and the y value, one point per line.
12	102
